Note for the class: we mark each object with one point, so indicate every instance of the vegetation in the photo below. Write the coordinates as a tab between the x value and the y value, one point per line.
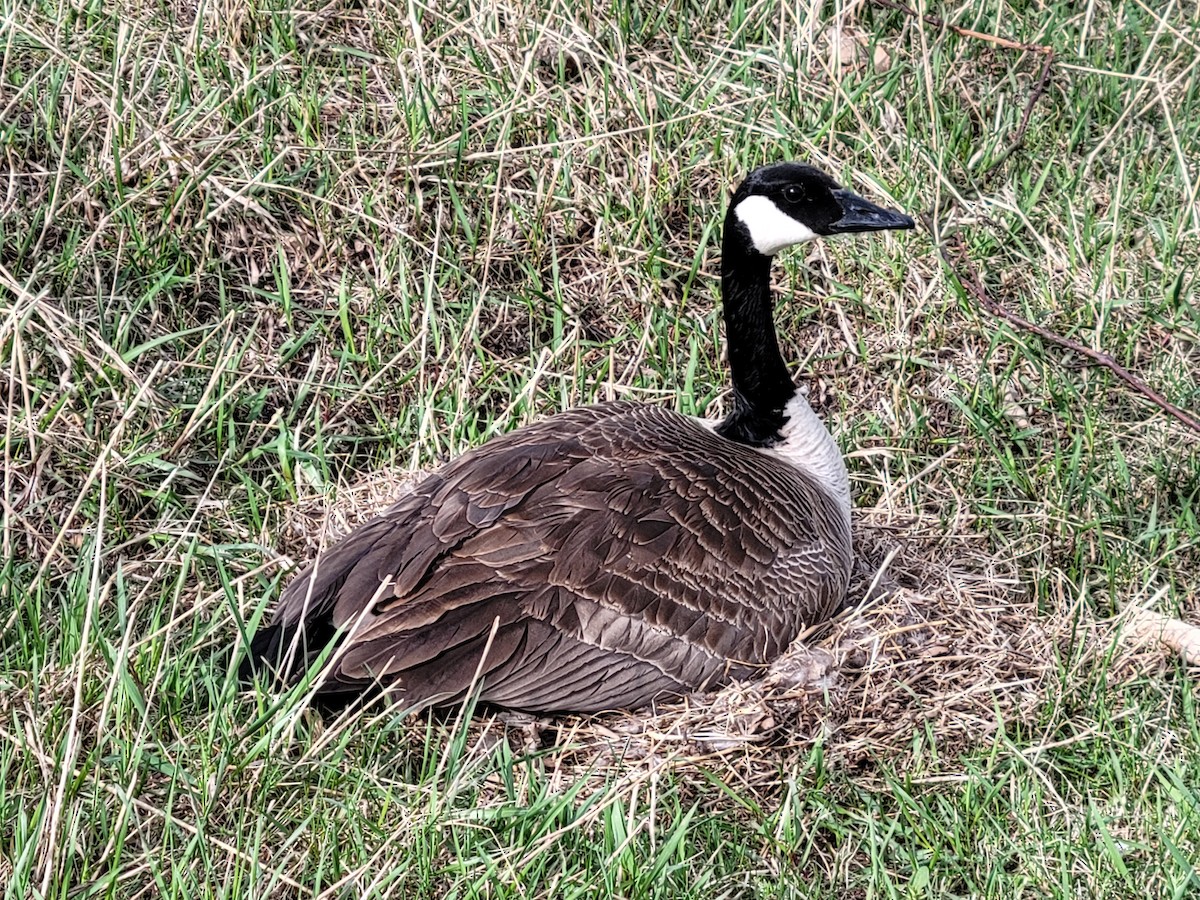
253	252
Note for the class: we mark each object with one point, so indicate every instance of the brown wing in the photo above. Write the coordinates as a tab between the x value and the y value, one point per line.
603	557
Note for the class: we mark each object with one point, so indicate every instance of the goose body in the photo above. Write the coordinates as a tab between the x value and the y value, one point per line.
609	555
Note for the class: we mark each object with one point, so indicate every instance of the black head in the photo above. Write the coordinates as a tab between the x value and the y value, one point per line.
787	203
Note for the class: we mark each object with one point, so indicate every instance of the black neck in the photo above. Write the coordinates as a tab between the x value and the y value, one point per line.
762	385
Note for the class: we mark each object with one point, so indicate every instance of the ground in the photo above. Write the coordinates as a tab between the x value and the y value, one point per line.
256	255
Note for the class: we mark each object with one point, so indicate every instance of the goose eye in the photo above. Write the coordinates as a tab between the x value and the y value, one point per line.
792	194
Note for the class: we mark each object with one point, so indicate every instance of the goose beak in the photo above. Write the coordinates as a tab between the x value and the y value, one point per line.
863	215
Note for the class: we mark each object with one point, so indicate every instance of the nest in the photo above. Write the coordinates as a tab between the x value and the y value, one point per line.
939	642
939	645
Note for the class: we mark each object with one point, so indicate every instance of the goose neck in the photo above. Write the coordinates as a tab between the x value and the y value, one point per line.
762	385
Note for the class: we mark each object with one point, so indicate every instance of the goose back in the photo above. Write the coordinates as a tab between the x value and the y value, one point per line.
602	557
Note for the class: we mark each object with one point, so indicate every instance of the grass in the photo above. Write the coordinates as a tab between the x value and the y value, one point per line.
252	252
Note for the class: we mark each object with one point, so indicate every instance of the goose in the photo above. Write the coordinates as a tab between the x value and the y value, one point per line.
608	556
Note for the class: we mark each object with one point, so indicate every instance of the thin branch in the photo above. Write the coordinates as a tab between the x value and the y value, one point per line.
964	270
1038	90
1036	94
966	32
960	263
1019	138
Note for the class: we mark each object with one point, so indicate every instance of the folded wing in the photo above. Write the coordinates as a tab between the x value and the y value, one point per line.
598	559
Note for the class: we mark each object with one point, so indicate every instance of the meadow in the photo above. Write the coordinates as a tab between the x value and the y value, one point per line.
260	261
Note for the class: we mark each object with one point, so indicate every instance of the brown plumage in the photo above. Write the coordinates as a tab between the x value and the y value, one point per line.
619	552
610	555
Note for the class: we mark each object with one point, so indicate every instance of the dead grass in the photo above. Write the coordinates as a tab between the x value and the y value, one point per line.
254	258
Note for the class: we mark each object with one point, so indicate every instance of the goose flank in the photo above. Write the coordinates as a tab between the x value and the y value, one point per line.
610	555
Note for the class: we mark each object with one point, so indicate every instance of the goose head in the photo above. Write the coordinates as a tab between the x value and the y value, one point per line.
775	207
788	203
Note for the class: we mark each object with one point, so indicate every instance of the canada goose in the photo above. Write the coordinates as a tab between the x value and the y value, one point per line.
608	555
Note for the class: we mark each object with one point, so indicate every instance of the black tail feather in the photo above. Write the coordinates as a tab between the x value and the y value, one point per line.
271	653
285	650
263	654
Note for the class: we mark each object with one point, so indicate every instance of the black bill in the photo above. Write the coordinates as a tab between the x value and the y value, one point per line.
863	215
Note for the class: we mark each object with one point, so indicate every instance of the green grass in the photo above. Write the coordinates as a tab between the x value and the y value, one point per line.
251	252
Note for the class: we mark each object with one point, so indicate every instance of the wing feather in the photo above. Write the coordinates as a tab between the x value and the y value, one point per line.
619	552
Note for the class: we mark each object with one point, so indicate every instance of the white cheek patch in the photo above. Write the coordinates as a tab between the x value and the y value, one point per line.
771	229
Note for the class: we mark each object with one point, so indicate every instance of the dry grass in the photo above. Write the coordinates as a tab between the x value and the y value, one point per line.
254	257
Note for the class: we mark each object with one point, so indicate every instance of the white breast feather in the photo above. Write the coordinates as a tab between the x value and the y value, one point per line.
808	445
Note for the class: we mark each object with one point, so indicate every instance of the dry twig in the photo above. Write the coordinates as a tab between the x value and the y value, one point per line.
1019	138
964	270
1036	94
966	32
960	263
